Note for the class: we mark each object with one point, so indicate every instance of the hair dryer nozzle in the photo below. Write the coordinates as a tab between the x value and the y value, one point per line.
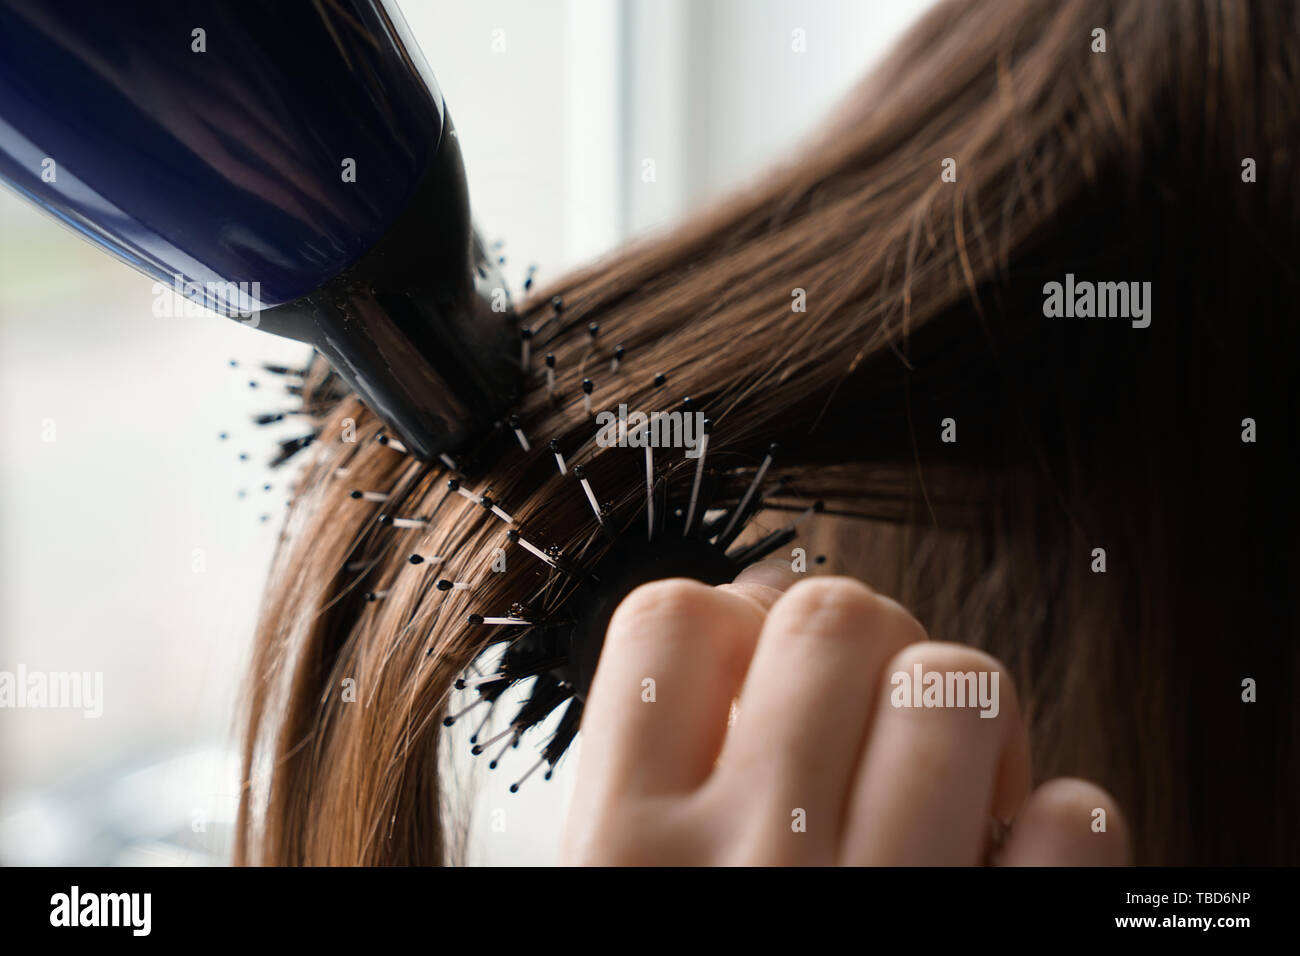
421	327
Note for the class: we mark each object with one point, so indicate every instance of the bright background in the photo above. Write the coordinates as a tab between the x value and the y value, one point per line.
103	529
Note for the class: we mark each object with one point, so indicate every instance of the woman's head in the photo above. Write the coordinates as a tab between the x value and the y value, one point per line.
1072	493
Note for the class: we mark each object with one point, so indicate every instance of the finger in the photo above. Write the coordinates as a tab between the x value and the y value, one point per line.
675	654
1068	822
805	707
933	766
1011	785
1014	776
763	583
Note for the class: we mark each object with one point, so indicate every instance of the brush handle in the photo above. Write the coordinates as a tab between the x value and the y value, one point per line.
289	164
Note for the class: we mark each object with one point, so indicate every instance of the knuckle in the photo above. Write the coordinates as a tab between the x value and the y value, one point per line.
940	656
663	600
1079	820
676	608
966	674
1067	802
847	608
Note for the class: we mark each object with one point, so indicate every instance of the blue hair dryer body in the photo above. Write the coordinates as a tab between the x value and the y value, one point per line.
288	164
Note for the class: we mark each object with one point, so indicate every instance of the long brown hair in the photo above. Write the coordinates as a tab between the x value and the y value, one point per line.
1099	521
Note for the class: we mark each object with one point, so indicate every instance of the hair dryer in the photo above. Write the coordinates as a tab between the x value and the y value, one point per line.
289	164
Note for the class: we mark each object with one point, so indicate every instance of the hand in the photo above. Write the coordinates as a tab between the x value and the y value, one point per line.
824	763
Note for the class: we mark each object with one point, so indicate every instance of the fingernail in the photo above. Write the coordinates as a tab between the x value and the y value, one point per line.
773	574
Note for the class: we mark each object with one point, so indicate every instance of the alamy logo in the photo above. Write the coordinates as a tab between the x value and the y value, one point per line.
53	690
946	689
102	909
656	430
1102	300
236	300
